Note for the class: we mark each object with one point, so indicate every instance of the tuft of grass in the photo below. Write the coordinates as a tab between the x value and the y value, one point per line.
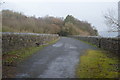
97	64
16	56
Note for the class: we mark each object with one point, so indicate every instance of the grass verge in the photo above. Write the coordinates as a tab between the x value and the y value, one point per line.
97	64
13	57
89	43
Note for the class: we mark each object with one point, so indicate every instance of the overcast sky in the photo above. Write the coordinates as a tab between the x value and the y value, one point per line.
86	10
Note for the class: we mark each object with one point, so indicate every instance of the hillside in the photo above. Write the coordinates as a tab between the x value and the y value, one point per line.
17	22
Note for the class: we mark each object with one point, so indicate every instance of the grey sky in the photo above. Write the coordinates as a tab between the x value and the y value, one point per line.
83	10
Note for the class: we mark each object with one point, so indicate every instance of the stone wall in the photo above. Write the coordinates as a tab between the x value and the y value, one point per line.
14	41
109	44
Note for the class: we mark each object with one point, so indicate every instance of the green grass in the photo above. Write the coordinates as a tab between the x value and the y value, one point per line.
89	43
19	55
97	64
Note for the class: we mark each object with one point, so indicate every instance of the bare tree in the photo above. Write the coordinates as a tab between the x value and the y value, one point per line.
112	20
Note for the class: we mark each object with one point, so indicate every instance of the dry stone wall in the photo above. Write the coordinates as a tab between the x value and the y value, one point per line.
14	41
109	44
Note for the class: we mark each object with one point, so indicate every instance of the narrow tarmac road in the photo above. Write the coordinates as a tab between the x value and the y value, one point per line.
58	60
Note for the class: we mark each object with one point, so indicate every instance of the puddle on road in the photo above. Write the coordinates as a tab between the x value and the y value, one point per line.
66	46
58	45
73	47
23	75
69	46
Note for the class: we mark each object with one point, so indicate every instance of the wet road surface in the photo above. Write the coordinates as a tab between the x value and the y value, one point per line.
58	60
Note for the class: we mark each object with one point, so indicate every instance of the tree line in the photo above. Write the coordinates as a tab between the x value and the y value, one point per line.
17	22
